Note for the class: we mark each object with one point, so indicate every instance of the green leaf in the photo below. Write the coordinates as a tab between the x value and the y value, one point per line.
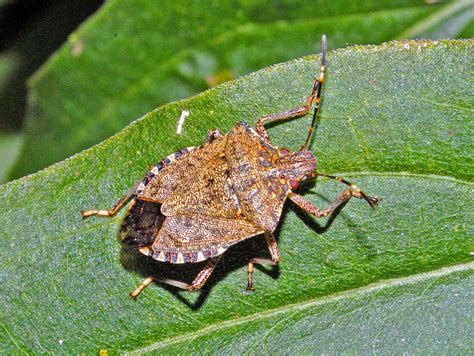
448	22
396	119
10	144
391	316
123	62
468	31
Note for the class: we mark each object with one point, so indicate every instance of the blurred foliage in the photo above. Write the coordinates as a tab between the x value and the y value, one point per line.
10	144
30	31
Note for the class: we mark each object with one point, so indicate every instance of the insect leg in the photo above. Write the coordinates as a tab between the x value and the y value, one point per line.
119	204
372	201
274	252
214	135
297	112
314	210
203	276
315	97
146	282
198	282
341	199
200	279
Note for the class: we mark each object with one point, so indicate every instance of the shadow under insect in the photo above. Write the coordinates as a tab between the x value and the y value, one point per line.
234	259
140	227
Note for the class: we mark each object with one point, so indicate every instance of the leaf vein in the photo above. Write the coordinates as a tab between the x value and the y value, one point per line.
373	287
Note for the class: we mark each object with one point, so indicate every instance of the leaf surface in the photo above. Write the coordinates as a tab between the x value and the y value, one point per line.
396	119
410	314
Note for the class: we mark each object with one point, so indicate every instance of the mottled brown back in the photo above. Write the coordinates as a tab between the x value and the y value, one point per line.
190	233
260	192
208	193
181	171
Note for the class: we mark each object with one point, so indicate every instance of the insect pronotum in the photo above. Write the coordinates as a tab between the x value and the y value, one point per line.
196	203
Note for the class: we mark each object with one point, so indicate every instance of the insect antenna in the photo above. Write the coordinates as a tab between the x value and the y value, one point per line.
316	93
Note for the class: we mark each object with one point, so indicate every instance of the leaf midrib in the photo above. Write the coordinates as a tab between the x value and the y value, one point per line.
373	287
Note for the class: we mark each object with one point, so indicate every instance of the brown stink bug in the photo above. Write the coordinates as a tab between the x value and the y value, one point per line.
196	203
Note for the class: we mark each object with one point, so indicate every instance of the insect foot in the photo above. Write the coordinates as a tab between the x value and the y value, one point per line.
374	201
197	202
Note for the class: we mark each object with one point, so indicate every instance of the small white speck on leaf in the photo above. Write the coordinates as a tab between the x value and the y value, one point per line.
77	48
61	342
184	115
406	46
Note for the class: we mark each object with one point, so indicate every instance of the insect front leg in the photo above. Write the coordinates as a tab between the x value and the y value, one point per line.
274	252
196	284
314	210
315	97
341	199
372	201
297	112
119	204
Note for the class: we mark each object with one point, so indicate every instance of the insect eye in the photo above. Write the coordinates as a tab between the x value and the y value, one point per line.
294	184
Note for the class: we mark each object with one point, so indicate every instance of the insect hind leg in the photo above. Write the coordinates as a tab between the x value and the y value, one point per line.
275	254
119	204
195	285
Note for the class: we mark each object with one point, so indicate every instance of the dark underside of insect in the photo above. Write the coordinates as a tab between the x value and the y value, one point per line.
196	203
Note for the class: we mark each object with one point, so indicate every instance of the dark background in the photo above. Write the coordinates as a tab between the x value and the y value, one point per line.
31	30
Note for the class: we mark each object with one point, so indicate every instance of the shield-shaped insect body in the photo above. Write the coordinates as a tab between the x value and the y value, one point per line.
196	203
